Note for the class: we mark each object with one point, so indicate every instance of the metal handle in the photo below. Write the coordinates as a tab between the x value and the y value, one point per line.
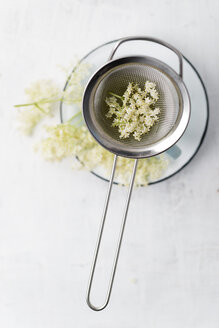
165	44
99	308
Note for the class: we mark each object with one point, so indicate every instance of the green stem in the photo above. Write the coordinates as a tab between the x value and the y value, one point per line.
35	103
80	120
115	95
40	108
74	116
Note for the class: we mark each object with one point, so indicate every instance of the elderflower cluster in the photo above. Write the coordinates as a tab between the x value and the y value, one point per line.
41	96
134	113
67	140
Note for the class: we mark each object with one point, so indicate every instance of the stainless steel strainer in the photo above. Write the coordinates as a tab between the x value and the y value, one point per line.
174	102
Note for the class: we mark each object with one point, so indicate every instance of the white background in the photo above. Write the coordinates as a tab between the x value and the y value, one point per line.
169	267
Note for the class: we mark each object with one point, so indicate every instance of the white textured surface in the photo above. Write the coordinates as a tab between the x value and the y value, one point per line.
169	267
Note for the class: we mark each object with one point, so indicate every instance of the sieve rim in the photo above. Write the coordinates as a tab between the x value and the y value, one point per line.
148	150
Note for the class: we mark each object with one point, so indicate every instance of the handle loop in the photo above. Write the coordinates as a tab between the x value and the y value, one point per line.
142	38
99	308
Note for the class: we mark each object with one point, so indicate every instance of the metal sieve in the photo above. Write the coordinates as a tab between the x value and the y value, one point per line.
174	102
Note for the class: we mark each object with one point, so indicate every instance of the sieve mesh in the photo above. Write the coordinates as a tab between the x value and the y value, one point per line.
116	80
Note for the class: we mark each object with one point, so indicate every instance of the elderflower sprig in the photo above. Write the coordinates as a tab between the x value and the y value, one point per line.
43	95
68	140
134	113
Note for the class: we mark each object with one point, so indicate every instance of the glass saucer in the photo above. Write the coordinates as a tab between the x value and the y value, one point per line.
194	135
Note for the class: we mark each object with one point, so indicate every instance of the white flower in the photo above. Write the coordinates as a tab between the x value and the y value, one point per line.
41	97
134	112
